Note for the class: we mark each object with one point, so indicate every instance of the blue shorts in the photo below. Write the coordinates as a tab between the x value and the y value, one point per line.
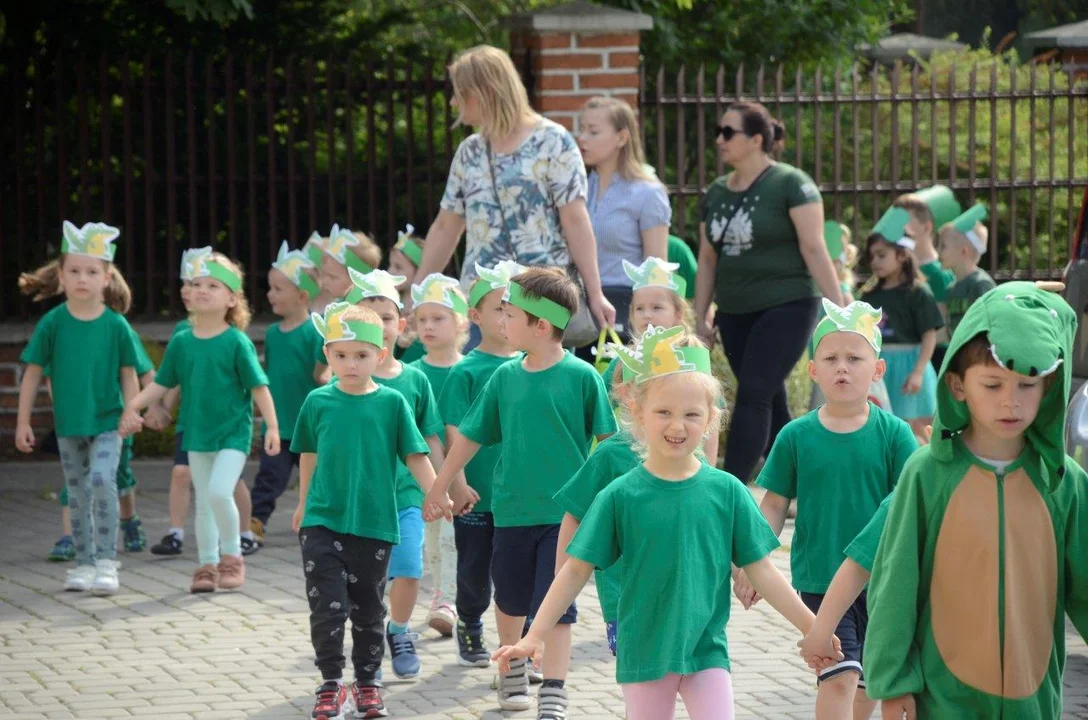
406	559
523	567
180	456
851	633
610	635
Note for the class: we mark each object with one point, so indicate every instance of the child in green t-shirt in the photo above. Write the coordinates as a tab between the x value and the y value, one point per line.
674	599
345	250
352	437
440	316
404	258
546	408
834	498
88	346
377	290
963	243
474	531
215	364
289	355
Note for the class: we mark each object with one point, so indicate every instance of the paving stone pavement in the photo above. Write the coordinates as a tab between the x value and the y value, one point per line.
154	650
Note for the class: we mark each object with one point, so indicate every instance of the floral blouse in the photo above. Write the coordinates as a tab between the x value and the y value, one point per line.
545	173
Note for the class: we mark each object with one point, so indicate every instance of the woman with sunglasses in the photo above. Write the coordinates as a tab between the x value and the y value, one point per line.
763	260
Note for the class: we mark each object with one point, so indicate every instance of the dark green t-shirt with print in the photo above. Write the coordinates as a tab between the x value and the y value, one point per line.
964	293
759	257
909	311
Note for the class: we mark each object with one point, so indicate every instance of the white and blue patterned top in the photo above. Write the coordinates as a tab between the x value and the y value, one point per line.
545	173
627	208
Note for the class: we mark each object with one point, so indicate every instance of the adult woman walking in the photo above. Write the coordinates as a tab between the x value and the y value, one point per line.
762	257
628	205
517	185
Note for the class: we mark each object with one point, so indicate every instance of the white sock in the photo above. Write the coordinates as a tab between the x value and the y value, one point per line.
179	533
249	535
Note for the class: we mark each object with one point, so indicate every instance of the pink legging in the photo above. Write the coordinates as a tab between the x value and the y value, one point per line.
708	695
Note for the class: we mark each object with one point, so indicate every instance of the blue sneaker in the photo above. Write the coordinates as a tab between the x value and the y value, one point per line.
132	530
63	551
402	652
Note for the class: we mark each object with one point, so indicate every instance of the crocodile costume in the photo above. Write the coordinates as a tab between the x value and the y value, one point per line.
967	599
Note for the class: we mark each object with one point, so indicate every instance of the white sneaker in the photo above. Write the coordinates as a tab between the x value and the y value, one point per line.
80	579
105	577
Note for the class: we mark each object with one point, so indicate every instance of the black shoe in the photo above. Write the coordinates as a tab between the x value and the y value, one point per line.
249	546
169	545
470	646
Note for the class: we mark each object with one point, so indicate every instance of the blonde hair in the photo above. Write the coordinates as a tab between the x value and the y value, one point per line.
44	283
462	321
488	74
632	161
361	314
948	230
846	269
367	250
239	315
680	305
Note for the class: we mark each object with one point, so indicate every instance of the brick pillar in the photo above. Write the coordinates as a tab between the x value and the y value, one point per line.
572	52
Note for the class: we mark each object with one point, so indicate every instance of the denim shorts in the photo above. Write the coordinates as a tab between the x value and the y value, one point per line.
406	559
180	456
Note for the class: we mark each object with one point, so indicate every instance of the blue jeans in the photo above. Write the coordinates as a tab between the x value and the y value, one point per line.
90	472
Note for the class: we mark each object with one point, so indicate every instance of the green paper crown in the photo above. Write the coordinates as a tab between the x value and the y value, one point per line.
293	264
339	245
941	202
188	260
376	283
655	272
655	355
92	240
409	245
966	222
334	328
441	290
315	248
833	239
858	317
496	278
204	266
541	307
892	226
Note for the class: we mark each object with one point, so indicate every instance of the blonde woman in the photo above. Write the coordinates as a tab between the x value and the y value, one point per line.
628	205
517	186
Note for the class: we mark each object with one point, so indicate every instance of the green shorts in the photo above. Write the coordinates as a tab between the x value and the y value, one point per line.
126	481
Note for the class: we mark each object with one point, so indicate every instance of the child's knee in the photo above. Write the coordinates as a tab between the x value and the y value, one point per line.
842	685
180	475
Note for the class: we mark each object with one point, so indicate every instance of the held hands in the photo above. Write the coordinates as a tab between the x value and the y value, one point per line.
436	506
820	650
913	383
744	590
24	438
464	498
529	647
157	417
271	442
131	422
898	708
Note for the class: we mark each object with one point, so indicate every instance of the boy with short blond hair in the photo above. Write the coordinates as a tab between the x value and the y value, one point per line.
962	244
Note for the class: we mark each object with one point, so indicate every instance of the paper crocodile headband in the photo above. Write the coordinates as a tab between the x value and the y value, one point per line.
188	261
339	245
496	278
293	264
408	245
92	240
655	272
204	265
656	355
541	307
441	290
966	222
334	328
858	317
376	283
315	248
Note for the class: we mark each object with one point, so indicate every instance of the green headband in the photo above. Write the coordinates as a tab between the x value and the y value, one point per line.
655	355
858	317
409	246
479	291
334	328
203	267
541	307
293	265
92	240
439	289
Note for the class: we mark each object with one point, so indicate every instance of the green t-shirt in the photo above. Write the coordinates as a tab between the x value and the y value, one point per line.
217	376
289	357
612	458
938	278
409	354
143	362
964	293
759	257
464	384
85	358
416	389
182	326
680	253
437	377
909	311
863	549
361	442
677	541
838	479
609	375
546	422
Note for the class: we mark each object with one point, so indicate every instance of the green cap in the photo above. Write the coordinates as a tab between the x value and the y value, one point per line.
542	307
833	239
966	222
941	202
892	225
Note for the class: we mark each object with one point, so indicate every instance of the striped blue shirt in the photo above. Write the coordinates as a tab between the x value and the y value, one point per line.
627	208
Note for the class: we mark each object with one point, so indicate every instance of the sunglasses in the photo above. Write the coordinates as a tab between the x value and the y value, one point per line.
728	132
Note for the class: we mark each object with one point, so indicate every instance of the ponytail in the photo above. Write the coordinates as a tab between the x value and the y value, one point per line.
117	294
43	283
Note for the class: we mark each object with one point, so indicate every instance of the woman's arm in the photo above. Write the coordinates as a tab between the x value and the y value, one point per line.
655	242
578	232
704	284
808	222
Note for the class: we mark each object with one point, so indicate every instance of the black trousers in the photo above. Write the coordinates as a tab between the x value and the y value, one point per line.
272	477
474	536
762	348
345	579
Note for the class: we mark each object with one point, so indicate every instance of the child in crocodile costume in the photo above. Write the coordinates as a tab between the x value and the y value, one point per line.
967	599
